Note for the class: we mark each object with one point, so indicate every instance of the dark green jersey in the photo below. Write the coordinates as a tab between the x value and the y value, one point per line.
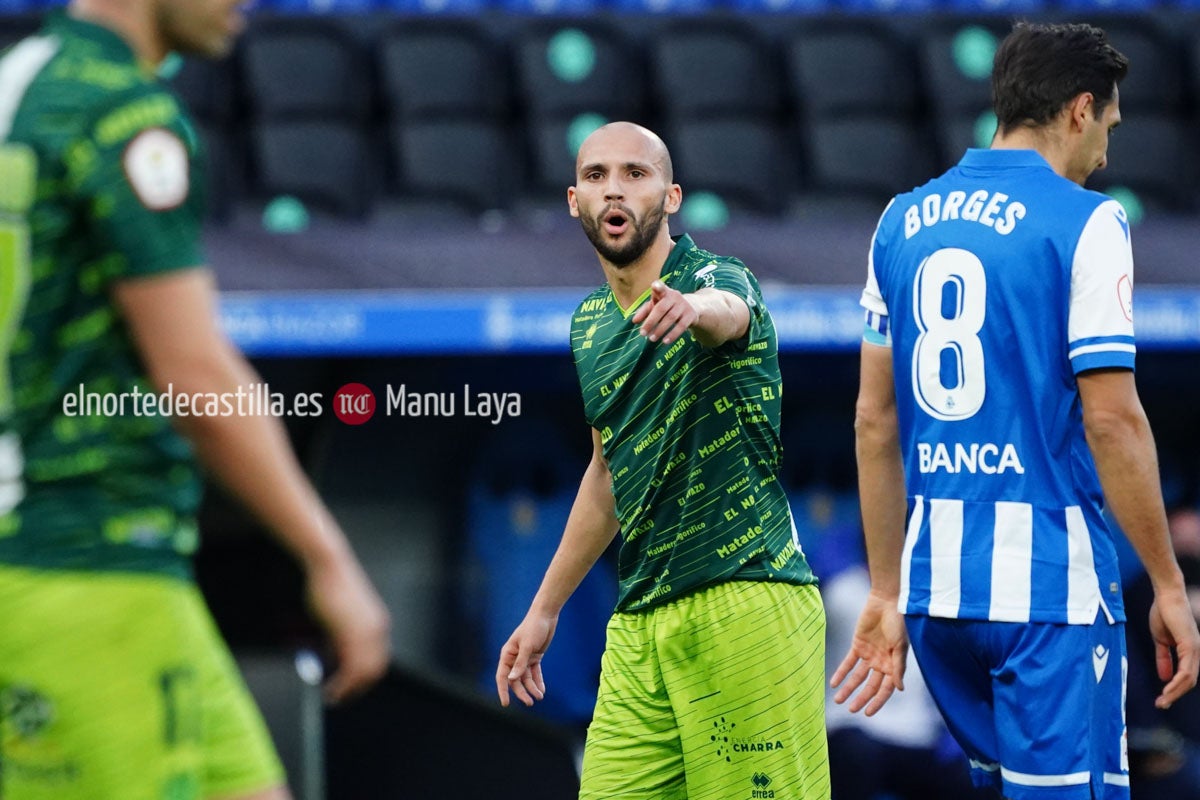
98	163
691	436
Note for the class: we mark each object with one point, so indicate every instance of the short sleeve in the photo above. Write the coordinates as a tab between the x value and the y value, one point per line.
733	277
873	298
134	172
1100	321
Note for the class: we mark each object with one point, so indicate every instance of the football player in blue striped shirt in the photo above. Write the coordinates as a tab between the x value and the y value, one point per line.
997	413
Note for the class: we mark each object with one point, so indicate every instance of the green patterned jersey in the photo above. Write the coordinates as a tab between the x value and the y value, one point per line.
98	161
691	435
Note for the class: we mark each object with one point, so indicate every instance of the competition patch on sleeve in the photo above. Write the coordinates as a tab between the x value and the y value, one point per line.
157	167
1125	296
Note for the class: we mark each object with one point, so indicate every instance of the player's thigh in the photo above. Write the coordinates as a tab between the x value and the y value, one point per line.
1036	707
117	687
1060	696
633	750
954	663
745	666
239	758
87	663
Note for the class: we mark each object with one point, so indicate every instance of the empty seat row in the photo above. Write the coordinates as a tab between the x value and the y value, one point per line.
661	7
750	164
455	109
687	67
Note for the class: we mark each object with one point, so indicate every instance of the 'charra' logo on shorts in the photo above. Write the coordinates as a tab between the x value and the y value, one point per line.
761	781
756	745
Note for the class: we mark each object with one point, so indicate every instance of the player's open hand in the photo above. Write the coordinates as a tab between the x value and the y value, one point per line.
1174	629
520	667
666	315
877	657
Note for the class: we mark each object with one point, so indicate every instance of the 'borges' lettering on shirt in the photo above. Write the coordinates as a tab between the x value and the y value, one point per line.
995	210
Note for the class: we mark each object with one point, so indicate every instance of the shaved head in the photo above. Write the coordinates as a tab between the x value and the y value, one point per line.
632	136
624	190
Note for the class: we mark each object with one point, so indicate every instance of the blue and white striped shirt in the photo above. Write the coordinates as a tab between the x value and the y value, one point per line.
995	285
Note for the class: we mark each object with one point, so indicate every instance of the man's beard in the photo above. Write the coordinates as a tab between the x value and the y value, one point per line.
641	234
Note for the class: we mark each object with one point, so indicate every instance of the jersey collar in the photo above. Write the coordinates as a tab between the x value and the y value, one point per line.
683	243
984	158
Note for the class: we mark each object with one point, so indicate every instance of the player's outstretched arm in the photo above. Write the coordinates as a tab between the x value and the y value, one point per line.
590	528
714	316
172	319
879	651
1122	446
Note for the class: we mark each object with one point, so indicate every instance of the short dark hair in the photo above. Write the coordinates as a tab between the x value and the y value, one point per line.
1040	68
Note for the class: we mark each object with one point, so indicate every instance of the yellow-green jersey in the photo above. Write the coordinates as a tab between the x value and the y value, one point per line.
691	436
99	169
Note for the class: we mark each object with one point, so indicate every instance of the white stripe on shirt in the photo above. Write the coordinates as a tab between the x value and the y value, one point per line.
1083	587
17	71
945	563
910	541
1110	347
1012	562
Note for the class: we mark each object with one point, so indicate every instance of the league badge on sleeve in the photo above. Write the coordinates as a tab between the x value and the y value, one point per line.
1125	296
157	167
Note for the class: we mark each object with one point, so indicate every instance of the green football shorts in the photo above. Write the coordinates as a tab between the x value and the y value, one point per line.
118	687
719	695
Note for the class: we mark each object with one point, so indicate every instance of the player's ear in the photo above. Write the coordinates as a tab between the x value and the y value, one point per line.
1083	110
674	198
572	202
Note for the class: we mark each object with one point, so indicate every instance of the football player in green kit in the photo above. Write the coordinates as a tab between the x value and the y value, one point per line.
712	680
114	684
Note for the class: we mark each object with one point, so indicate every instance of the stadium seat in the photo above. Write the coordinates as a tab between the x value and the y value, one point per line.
437	68
326	163
960	131
295	67
223	164
1156	76
1153	155
743	161
708	67
581	66
850	67
868	156
206	88
956	63
552	157
468	162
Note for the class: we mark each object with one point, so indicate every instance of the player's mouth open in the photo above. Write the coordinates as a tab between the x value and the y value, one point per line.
615	223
